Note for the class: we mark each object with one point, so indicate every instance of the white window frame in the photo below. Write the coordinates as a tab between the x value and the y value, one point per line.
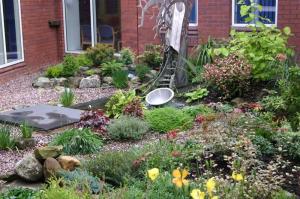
4	39
197	15
251	24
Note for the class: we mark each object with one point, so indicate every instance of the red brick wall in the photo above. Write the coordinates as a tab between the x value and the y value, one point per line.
43	45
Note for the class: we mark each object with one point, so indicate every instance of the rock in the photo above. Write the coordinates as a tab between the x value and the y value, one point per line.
68	163
43	82
51	167
131	67
8	176
60	81
107	80
90	82
59	89
132	77
84	68
239	102
43	153
74	81
29	168
23	143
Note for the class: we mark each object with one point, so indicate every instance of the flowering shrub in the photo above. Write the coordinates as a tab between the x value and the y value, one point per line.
231	75
94	119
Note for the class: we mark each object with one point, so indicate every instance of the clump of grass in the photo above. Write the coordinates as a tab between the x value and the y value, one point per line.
6	142
26	130
67	98
120	79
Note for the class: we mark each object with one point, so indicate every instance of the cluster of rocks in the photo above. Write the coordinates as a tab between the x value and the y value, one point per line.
44	163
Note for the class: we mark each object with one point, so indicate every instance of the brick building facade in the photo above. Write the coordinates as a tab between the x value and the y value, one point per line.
44	45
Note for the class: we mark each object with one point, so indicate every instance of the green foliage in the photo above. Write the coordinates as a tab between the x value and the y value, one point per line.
82	179
152	56
289	143
110	68
200	109
274	104
165	119
77	141
6	142
196	95
19	193
111	167
264	146
126	128
70	66
100	54
67	97
83	60
54	71
283	195
26	130
90	72
142	71
127	56
120	79
115	105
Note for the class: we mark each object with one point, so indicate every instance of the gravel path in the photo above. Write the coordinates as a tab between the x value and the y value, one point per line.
19	92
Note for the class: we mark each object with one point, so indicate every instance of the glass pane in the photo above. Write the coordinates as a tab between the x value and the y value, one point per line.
107	22
78	24
2	56
193	16
269	11
12	30
238	19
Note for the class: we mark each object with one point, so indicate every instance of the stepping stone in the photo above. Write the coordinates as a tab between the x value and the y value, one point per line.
43	117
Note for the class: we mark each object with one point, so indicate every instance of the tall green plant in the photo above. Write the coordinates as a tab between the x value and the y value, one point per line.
120	79
6	142
67	97
70	66
26	130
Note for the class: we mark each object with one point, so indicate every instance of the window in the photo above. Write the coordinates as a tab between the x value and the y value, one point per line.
194	14
269	11
11	47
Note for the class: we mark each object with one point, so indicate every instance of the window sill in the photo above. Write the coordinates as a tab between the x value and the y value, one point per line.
19	62
12	66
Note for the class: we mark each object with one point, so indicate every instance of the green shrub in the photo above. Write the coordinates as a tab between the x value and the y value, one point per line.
111	167
263	146
120	79
6	142
26	130
90	72
110	68
19	193
83	60
200	109
127	56
127	128
196	95
54	71
100	54
75	141
289	143
152	56
82	179
67	97
166	119
275	104
142	71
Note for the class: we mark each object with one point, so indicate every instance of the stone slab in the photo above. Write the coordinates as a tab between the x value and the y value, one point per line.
44	117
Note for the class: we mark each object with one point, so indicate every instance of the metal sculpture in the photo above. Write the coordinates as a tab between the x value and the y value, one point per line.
172	26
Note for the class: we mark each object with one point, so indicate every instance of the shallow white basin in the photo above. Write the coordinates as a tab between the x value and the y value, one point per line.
159	96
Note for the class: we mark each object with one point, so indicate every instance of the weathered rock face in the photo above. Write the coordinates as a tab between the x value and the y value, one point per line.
23	143
51	167
108	80
43	82
90	82
48	152
8	176
60	81
74	82
68	163
29	168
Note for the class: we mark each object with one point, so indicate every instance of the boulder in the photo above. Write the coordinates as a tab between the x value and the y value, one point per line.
60	81
43	82
43	153
108	80
90	82
51	168
9	176
74	81
23	143
68	163
29	169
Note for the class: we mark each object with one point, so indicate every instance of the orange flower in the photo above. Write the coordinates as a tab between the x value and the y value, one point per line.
180	177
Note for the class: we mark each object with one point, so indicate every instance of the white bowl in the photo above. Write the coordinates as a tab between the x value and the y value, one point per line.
159	96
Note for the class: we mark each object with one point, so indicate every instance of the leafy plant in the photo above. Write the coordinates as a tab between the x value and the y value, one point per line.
67	97
200	109
94	119
142	71
70	66
166	119
196	95
120	79
134	108
90	72
19	193
82	179
152	56
100	54
75	141
83	60
127	56
54	71
126	128
6	142
112	167
26	130
274	104
115	105
110	68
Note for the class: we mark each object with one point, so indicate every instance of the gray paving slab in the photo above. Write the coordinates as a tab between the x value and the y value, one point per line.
44	117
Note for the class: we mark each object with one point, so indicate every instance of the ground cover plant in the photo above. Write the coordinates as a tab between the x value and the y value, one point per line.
94	119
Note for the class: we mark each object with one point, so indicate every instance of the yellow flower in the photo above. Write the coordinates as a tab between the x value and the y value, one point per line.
237	176
197	194
215	197
153	173
210	185
179	177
